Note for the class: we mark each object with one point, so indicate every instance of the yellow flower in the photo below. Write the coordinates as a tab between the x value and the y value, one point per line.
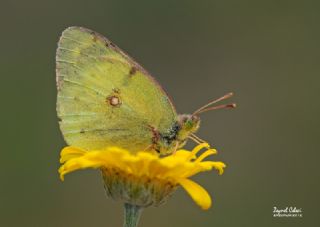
144	178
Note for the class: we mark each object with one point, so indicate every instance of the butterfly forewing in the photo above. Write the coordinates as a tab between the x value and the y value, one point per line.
104	97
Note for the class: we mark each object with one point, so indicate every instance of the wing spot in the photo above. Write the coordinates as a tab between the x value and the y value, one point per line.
94	36
132	71
114	101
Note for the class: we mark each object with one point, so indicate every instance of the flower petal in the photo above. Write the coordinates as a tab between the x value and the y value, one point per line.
217	165
197	193
206	154
70	152
197	149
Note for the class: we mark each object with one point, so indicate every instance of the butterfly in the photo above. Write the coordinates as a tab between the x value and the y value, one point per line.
105	98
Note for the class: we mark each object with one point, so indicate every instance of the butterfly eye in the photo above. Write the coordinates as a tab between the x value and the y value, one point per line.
189	123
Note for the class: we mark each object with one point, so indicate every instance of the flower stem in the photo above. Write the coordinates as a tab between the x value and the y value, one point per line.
131	215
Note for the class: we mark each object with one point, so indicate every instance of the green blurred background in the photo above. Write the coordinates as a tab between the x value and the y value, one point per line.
267	52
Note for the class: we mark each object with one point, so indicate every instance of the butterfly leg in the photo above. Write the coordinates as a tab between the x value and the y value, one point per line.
194	139
198	138
175	148
150	147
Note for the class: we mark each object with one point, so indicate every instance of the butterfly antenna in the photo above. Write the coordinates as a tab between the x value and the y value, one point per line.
227	106
207	108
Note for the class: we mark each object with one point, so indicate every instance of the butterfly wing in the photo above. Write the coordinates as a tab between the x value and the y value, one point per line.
104	97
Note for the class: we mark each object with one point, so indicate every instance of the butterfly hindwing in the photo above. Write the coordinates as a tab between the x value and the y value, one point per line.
104	97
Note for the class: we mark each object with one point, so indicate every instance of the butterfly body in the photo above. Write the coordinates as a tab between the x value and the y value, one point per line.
106	99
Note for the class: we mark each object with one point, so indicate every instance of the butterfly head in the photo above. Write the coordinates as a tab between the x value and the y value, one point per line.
185	128
188	124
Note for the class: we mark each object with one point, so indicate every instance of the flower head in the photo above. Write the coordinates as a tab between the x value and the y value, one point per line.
144	178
